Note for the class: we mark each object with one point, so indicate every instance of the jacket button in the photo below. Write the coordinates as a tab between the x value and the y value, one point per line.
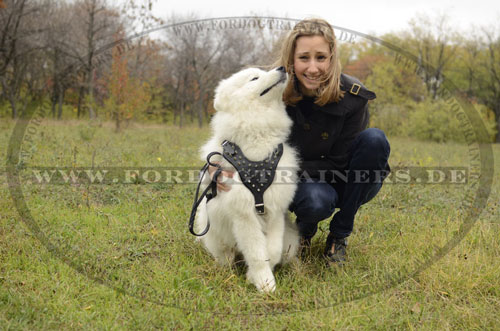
307	126
324	135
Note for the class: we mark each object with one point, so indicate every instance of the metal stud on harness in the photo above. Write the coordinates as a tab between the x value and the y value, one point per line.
257	176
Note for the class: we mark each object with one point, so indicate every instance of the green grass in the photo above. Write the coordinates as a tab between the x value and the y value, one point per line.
120	256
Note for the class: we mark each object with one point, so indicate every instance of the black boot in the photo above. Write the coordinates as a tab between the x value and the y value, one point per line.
335	250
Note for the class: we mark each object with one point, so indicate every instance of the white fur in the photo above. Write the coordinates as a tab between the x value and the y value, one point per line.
257	124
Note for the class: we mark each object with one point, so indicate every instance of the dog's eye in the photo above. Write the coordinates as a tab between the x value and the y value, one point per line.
255	78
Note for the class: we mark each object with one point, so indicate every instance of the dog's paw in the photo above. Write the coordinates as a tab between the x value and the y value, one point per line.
263	280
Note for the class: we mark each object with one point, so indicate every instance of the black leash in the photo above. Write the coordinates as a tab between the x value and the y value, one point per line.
209	196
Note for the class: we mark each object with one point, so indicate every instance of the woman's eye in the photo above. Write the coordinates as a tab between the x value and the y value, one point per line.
255	78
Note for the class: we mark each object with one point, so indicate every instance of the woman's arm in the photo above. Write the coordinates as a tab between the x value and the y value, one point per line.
355	122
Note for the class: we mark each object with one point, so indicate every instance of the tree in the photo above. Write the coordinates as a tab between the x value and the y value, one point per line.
94	25
126	95
468	61
489	81
58	55
199	56
18	47
433	41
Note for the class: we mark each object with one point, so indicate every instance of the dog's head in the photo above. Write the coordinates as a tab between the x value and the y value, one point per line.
251	89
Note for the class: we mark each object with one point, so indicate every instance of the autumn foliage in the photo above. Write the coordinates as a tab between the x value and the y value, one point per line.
127	95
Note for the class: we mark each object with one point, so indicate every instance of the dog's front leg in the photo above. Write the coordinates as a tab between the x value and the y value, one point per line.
290	241
252	244
275	229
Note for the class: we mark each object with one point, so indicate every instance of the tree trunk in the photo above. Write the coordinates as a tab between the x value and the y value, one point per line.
60	103
90	56
118	122
80	98
90	85
200	110
497	115
14	108
54	99
181	115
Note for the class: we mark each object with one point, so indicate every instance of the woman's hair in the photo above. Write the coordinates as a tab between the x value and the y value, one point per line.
329	90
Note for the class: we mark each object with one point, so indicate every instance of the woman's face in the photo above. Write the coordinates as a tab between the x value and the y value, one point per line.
311	62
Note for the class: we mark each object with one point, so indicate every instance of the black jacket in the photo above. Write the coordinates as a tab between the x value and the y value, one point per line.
323	135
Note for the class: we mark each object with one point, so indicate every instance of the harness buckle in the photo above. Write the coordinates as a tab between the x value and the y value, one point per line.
260	209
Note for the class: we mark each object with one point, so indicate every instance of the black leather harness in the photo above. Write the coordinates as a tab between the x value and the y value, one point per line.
257	176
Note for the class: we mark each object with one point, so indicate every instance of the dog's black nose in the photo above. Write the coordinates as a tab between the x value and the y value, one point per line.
282	69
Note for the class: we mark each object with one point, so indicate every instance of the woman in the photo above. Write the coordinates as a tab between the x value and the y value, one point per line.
344	163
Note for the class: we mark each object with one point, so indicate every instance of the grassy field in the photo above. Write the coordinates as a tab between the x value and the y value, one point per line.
119	256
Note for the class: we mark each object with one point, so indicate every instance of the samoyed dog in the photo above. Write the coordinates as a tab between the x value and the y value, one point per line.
250	114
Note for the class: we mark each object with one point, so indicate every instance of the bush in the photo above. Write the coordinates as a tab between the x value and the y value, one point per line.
435	121
428	120
392	119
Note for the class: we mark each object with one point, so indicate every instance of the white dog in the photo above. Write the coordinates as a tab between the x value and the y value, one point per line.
251	114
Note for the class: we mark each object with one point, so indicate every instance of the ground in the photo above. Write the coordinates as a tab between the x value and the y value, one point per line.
114	256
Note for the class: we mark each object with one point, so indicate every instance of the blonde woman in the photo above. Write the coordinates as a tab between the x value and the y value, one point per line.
343	162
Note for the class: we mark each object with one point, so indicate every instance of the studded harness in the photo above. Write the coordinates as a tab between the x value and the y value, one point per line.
257	176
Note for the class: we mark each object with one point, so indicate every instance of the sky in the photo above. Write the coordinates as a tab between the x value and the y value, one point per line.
366	16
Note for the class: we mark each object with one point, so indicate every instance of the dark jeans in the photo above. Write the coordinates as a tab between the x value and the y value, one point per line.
316	200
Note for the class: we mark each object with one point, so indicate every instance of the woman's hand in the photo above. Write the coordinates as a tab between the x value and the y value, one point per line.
220	185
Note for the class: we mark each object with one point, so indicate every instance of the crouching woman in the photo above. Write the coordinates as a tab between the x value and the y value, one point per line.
343	162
